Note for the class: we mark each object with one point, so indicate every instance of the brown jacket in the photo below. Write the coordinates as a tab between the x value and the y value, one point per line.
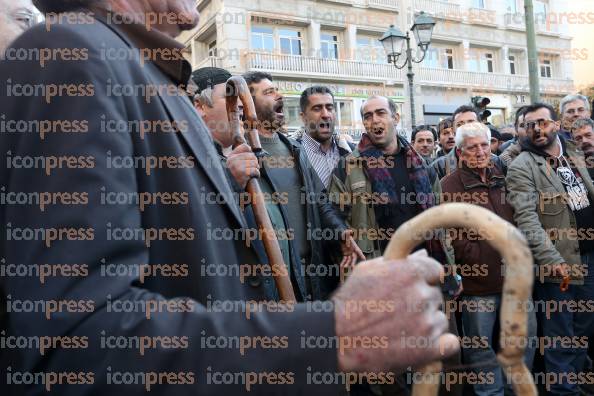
478	263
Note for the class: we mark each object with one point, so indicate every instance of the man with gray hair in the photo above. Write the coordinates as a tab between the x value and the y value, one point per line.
583	135
16	16
572	107
476	181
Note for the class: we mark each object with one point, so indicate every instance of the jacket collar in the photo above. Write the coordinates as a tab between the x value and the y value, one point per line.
570	151
471	179
200	142
155	43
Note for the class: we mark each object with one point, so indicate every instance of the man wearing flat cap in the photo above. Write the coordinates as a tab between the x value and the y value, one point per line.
145	290
210	103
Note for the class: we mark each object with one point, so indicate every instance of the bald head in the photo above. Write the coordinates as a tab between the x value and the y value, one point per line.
16	16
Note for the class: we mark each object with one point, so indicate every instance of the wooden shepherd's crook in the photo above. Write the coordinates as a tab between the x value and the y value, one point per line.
517	288
237	88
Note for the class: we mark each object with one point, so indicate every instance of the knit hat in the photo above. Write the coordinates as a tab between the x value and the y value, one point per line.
208	77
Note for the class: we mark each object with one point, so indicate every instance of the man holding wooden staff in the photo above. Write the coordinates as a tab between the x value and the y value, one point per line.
156	269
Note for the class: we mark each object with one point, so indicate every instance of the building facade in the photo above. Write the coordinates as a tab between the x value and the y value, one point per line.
478	49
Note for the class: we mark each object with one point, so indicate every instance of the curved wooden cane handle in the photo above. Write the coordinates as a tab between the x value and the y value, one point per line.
517	288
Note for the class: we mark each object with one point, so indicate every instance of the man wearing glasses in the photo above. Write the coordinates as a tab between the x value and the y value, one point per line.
16	16
553	198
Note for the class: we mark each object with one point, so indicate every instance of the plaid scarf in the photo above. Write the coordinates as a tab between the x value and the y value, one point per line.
381	179
382	182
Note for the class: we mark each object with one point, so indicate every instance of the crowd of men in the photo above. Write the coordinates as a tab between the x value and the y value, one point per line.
333	204
541	182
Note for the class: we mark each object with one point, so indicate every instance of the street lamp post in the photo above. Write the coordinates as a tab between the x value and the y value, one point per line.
394	41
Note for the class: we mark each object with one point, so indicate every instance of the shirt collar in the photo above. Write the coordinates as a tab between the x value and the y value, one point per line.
317	146
165	52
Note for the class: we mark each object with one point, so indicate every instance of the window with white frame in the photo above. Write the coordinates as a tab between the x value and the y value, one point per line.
487	63
439	58
481	60
546	69
290	41
478	3
449	58
512	64
370	49
269	39
540	12
511	6
262	38
329	45
212	48
431	58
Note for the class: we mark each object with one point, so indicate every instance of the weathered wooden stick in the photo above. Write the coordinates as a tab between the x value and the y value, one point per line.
237	88
517	288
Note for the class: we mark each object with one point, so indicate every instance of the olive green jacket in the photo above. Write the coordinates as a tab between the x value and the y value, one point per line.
538	198
352	194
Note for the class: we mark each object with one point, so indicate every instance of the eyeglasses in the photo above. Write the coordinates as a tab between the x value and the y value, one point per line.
542	123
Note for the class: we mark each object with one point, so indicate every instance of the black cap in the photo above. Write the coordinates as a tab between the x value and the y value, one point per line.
208	77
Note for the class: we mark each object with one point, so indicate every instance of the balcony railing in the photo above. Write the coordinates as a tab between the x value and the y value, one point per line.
494	81
482	16
517	21
337	68
390	4
209	61
291	66
383	4
439	9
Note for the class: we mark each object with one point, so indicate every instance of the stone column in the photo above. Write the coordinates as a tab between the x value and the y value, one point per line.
313	45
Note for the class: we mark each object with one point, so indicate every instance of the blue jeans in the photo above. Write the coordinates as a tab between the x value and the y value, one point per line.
562	359
479	325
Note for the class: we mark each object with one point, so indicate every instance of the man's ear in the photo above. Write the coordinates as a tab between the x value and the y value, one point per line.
397	118
458	152
302	115
199	108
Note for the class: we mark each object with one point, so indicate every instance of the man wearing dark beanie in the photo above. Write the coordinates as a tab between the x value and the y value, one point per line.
209	101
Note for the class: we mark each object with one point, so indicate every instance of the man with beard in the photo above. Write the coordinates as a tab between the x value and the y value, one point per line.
323	148
423	140
307	215
138	241
16	16
552	194
583	135
446	132
572	107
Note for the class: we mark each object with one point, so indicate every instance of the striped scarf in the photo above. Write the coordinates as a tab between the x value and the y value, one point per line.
381	179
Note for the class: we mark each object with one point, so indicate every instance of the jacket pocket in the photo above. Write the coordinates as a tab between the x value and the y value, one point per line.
551	203
552	209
